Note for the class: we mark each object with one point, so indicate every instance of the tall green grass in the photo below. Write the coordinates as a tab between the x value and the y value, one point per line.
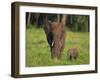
38	51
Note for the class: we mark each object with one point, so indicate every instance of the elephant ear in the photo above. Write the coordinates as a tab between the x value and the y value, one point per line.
47	27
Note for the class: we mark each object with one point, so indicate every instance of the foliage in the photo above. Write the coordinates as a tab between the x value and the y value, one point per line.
38	51
80	23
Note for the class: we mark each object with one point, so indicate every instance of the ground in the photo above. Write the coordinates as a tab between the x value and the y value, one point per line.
38	51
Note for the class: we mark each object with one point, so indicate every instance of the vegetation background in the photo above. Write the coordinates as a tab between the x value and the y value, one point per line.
37	48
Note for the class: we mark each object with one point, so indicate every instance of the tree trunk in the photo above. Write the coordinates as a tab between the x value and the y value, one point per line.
64	16
29	17
58	17
37	18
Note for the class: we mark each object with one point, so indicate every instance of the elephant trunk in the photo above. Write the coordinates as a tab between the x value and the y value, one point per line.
56	47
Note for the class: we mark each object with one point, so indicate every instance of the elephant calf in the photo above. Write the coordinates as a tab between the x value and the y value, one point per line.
72	53
55	34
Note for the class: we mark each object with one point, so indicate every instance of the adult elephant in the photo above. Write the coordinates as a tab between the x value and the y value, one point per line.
55	34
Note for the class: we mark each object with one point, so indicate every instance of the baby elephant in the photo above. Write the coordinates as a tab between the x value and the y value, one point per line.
72	53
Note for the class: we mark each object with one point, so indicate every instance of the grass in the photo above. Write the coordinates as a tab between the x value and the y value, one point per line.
38	52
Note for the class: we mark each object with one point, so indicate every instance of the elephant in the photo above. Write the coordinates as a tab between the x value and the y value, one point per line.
72	53
55	34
